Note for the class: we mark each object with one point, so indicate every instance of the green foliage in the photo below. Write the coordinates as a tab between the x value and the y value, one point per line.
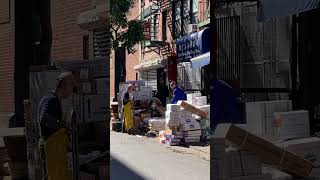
124	33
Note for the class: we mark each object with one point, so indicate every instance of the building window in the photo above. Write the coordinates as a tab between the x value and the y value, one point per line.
177	19
85	43
153	21
101	46
185	13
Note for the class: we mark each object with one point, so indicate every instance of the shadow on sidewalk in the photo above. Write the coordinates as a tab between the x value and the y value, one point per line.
118	170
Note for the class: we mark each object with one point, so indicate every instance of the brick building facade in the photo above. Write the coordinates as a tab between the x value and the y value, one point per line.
150	63
131	59
6	56
67	38
70	41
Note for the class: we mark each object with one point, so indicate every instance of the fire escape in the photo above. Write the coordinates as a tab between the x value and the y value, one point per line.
154	42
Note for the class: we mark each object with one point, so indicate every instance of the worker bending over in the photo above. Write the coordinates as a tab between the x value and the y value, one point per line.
178	93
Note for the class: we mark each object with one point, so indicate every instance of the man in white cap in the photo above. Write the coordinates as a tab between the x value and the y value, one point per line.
50	109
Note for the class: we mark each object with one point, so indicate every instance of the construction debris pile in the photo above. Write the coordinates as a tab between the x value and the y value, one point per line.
274	144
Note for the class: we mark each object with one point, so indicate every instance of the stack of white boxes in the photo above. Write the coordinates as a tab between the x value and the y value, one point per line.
231	164
191	98
289	125
173	114
307	148
275	120
157	124
201	103
260	115
189	128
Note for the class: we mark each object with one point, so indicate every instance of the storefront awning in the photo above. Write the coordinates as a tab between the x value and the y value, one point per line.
277	8
201	60
154	64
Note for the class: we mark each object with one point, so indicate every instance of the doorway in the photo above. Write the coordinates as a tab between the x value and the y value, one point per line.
309	65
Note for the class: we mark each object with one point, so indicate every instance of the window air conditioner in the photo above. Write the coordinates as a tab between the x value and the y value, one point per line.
192	28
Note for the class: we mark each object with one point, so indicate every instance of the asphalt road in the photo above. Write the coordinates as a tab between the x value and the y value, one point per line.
137	158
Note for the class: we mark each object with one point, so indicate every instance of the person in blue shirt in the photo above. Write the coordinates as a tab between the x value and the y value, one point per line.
224	106
177	92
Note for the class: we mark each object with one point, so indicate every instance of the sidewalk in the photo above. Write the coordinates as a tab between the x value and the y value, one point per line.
145	158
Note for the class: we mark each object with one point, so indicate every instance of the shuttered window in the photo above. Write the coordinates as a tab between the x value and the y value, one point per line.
101	45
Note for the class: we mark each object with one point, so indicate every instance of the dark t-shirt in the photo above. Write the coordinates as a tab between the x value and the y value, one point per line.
50	114
224	107
163	94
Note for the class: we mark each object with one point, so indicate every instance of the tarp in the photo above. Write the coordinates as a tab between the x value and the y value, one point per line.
277	8
201	60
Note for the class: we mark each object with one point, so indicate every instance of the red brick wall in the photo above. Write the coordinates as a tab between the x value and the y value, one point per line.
67	35
6	57
133	59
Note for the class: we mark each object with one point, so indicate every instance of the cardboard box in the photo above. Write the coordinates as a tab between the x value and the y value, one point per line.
185	114
205	108
192	139
191	97
307	148
146	88
201	101
172	121
276	174
173	107
268	153
170	114
173	141
290	125
243	163
187	120
157	124
190	126
259	115
192	133
194	110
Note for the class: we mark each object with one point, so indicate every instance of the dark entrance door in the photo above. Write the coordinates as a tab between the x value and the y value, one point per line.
309	65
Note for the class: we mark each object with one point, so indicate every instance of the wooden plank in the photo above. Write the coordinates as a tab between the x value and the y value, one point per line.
194	110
